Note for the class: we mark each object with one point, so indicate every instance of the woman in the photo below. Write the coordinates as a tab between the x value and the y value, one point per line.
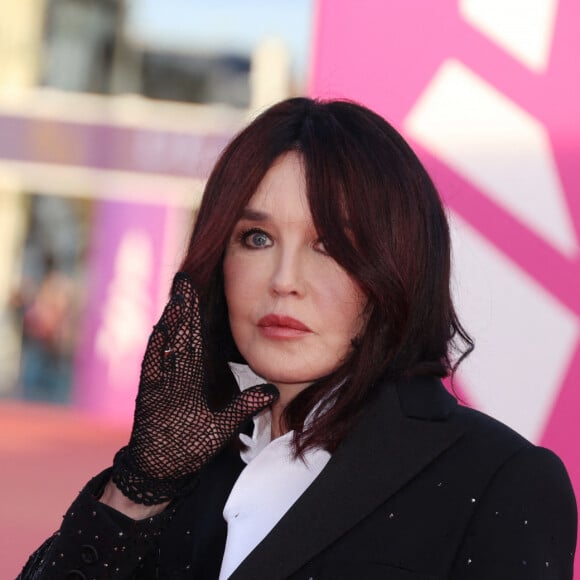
321	258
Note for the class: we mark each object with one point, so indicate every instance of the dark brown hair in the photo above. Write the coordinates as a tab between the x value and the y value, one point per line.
379	216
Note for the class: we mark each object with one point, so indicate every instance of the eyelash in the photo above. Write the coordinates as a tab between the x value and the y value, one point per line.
245	234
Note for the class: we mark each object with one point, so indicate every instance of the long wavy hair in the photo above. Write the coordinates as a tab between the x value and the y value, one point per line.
381	219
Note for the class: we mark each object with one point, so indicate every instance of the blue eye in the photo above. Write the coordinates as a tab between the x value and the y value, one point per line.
255	238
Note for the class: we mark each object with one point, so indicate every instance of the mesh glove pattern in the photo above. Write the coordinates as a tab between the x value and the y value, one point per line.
174	431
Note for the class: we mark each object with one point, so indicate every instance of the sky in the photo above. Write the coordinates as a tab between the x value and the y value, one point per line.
223	25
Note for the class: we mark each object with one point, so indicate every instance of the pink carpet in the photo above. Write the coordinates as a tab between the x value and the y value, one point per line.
46	455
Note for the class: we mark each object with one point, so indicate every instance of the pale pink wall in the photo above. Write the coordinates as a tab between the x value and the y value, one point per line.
488	94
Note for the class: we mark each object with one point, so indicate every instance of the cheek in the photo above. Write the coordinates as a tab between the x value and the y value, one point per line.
229	277
230	271
343	294
353	317
234	269
240	285
346	303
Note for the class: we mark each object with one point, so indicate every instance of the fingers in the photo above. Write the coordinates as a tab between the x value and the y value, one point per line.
172	334
180	304
250	402
185	336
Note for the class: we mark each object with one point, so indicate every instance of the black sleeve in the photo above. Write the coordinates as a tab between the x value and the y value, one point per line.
526	523
97	541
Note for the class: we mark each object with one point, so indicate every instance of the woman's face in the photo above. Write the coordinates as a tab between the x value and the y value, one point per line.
293	310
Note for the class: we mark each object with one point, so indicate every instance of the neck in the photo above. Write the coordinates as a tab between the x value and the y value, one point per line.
278	407
287	394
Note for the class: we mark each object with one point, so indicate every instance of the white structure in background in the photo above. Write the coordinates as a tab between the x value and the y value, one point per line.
20	40
270	74
125	319
523	28
526	337
497	146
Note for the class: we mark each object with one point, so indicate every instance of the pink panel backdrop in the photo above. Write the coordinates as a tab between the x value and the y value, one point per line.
409	61
131	259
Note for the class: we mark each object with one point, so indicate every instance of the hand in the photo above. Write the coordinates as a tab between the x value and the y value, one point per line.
174	431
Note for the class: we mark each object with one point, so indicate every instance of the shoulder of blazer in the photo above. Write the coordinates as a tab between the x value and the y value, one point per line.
404	429
427	399
423	398
384	450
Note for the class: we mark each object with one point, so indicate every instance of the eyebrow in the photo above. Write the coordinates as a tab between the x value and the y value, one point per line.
254	215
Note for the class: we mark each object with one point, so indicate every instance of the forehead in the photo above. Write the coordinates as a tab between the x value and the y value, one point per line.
282	192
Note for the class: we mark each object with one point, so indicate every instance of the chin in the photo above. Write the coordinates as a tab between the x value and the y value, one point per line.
278	377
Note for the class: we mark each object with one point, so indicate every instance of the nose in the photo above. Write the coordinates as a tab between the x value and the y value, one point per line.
287	274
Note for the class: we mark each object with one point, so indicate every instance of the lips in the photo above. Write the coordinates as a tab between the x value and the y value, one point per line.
277	326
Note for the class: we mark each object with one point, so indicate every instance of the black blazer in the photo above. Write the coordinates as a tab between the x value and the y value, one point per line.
421	489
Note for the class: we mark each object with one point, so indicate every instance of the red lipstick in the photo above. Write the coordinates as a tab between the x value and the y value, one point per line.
277	326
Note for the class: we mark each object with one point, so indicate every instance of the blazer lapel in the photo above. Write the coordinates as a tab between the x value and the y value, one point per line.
397	436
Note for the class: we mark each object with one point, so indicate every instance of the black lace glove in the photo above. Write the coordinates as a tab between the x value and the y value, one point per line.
174	431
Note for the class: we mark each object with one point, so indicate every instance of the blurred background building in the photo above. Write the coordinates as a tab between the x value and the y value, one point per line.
111	114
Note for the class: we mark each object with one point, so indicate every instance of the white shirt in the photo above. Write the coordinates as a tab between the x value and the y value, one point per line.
267	487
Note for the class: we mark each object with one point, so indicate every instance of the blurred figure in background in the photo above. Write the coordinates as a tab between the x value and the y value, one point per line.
47	300
48	324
